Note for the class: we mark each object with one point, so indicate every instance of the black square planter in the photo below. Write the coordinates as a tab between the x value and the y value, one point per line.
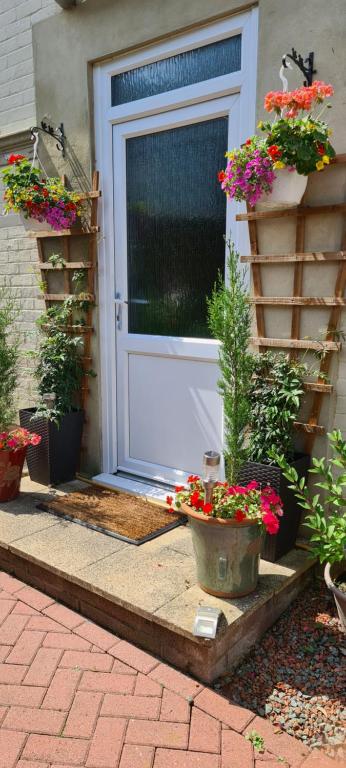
56	459
275	546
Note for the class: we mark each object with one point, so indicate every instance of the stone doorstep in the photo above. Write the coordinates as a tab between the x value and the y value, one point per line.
204	659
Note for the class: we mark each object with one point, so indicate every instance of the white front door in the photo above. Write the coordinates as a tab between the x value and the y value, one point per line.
170	219
164	117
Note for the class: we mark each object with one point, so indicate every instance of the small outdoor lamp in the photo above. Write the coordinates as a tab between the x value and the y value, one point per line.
206	622
211	464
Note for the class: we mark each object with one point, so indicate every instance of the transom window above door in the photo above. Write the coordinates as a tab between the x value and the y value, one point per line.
193	66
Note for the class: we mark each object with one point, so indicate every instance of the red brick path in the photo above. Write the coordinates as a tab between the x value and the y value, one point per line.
72	694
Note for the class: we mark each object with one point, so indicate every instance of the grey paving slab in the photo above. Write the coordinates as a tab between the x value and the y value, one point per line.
146	578
21	517
181	610
68	546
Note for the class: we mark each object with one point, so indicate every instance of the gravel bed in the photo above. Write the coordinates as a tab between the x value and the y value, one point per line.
296	675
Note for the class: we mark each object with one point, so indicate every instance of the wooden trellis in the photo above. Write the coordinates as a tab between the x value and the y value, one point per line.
89	232
319	388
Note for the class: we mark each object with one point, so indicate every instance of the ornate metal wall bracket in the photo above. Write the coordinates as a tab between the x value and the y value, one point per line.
306	66
57	133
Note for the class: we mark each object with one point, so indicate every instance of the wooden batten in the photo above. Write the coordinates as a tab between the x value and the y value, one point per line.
295	344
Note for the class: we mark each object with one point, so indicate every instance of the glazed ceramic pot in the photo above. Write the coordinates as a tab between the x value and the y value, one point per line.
288	190
227	553
11	468
331	573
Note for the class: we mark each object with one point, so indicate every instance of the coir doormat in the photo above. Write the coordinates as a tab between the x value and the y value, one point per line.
126	517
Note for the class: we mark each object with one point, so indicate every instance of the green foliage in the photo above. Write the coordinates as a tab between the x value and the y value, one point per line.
326	516
229	317
298	139
59	368
59	371
57	260
276	393
256	740
9	353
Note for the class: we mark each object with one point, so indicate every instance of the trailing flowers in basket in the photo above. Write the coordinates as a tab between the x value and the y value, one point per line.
295	144
227	532
36	198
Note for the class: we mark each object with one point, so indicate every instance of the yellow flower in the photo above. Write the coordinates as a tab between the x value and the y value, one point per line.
325	159
330	132
279	164
320	165
260	124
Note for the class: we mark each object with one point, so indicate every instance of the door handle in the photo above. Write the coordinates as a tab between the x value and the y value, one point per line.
119	303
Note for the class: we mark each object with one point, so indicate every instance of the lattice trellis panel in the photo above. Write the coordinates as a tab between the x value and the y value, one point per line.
336	302
89	232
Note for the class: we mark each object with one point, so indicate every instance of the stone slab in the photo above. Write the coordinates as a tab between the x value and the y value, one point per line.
146	594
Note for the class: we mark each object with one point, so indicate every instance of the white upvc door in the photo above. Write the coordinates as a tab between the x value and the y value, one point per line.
168	407
159	404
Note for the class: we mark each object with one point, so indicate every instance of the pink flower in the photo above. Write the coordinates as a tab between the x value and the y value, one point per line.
271	523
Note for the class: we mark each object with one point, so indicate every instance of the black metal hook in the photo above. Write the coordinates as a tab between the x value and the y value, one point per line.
306	66
57	133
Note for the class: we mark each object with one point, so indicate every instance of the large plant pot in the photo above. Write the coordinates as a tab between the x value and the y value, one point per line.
277	545
32	225
227	554
288	190
331	573
56	459
11	468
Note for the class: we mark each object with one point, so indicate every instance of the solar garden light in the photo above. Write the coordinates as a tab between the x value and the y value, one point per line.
211	465
206	622
49	399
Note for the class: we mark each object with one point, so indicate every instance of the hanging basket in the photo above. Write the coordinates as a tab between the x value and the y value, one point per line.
32	225
288	190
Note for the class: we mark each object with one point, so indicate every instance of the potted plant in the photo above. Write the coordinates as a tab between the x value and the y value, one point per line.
227	532
42	203
58	417
13	440
326	516
273	171
276	394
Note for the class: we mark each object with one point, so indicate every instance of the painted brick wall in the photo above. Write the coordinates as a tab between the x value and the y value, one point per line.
18	253
17	92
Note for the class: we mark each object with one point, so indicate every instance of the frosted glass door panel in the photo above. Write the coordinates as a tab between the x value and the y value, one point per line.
186	68
176	220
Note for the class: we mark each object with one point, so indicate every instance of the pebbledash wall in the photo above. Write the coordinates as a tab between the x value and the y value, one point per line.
46	57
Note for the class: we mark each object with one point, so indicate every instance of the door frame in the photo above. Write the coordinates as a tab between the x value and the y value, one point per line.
242	83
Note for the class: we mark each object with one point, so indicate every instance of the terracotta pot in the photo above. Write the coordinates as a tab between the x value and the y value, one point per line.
227	553
11	467
288	190
32	225
331	572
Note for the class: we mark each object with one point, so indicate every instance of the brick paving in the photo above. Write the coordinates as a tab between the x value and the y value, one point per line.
73	694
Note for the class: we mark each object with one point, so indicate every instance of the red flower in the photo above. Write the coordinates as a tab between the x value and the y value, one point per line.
192	479
179	488
169	500
320	149
274	152
221	176
45	192
36	187
248	142
196	500
207	509
15	159
240	515
271	523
